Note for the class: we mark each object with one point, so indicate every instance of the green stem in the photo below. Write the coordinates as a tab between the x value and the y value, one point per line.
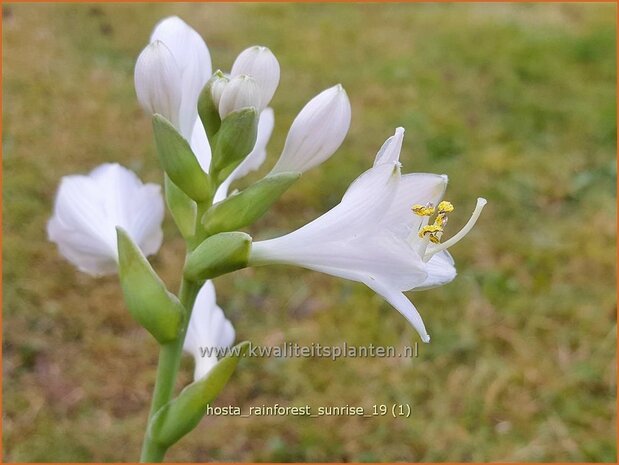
167	370
170	354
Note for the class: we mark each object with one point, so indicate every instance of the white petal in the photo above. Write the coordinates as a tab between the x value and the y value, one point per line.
200	145
88	209
208	329
194	62
158	82
376	257
256	157
359	213
390	151
317	131
440	270
145	223
414	188
402	305
241	92
259	63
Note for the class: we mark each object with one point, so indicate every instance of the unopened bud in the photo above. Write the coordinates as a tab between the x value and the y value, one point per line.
317	131
158	82
259	63
241	92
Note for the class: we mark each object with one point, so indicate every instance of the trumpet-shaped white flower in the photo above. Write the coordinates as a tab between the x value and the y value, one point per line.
259	63
208	331
317	131
88	209
242	91
379	234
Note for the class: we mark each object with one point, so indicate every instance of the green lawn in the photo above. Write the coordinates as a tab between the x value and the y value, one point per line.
516	103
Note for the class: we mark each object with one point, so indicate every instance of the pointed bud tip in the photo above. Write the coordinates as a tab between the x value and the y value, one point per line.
339	88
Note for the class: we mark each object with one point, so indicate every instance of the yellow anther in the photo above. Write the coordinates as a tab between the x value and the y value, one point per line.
441	220
445	207
434	231
420	210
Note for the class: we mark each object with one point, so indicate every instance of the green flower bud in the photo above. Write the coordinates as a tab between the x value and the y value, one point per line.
182	414
146	296
178	160
183	209
208	103
217	255
235	140
242	209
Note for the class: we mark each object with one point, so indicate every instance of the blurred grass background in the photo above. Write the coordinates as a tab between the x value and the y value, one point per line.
515	102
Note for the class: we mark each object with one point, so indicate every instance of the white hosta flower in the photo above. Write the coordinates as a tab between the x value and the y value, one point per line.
259	63
256	157
317	131
208	331
88	209
241	92
379	234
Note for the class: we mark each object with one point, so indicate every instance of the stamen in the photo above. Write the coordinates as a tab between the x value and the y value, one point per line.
431	250
433	231
445	207
420	210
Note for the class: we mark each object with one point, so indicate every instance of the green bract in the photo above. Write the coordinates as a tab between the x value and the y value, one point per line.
179	162
146	296
179	416
242	209
219	254
234	141
183	209
207	109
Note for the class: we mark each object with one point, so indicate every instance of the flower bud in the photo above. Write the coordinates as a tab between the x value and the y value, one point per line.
208	103
147	298
219	254
235	139
259	63
158	82
241	92
317	131
217	85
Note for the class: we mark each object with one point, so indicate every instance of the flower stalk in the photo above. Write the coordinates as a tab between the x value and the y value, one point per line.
167	371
